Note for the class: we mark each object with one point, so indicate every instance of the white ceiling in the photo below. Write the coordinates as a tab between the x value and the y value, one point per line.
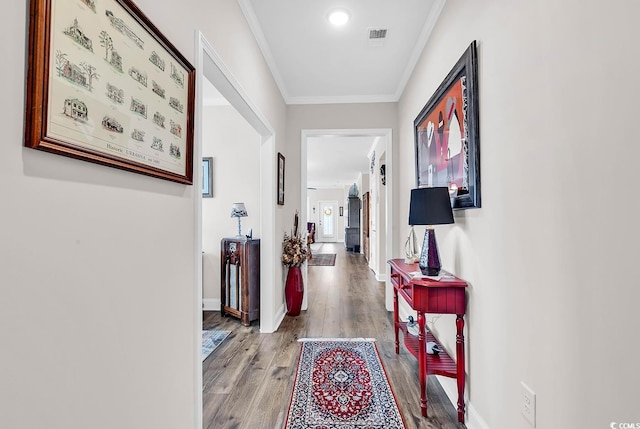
314	62
335	161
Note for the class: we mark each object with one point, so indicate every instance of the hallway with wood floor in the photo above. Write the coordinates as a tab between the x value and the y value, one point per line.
247	380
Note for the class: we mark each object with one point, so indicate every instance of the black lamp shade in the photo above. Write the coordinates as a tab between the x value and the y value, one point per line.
430	206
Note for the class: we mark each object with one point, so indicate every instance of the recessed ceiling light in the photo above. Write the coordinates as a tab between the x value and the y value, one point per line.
339	17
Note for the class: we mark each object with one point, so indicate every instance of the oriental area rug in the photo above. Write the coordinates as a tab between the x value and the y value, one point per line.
212	339
341	384
322	259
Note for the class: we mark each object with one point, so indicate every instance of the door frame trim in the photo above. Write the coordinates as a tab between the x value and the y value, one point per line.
386	135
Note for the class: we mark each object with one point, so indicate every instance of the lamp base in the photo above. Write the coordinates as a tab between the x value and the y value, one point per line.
432	272
429	259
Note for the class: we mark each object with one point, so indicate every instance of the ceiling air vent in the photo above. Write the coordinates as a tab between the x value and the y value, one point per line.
377	33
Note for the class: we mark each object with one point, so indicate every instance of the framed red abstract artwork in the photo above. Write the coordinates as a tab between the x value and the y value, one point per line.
447	135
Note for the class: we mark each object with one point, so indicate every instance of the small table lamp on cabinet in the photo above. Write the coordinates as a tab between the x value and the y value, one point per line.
430	206
238	210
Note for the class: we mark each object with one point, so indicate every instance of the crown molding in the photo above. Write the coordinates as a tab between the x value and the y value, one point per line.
344	99
256	29
429	25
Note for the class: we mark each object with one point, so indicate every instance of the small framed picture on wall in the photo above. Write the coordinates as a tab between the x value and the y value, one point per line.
280	179
207	177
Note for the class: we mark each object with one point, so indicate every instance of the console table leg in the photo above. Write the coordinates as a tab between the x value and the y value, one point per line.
460	365
422	363
395	318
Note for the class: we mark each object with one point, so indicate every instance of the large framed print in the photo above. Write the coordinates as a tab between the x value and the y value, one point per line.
104	85
447	145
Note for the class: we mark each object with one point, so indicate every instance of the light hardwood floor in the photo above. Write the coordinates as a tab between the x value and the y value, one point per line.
247	380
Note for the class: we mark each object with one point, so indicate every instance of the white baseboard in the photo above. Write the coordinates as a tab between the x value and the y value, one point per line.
214	305
278	318
211	304
473	418
404	311
381	277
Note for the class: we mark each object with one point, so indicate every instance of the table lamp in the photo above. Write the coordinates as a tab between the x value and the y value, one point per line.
430	206
238	210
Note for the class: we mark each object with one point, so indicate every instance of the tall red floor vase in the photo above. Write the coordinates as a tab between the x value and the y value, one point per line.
294	291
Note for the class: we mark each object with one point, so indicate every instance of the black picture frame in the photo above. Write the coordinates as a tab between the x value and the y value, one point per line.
280	173
447	136
207	177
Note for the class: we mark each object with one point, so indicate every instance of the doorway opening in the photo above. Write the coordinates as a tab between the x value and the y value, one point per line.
210	66
384	206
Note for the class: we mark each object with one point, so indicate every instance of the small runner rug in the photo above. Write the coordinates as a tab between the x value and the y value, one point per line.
212	339
322	259
340	384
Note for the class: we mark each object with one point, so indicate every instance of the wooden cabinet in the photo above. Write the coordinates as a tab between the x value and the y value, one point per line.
352	231
240	279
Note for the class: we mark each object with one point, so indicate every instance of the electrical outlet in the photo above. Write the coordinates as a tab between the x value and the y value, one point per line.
528	401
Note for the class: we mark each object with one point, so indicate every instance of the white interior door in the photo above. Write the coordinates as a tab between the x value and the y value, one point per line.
327	221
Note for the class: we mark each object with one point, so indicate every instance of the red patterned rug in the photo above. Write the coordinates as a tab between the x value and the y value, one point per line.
340	384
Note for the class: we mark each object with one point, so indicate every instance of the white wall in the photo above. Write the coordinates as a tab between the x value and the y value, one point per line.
234	146
377	213
363	187
363	183
97	265
336	194
334	117
551	256
380	205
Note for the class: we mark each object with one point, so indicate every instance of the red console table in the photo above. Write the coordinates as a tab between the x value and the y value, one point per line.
424	295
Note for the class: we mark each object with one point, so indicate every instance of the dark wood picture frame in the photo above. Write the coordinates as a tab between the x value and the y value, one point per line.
280	174
104	85
447	137
207	177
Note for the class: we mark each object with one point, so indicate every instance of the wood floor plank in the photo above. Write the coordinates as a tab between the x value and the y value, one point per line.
242	347
247	380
